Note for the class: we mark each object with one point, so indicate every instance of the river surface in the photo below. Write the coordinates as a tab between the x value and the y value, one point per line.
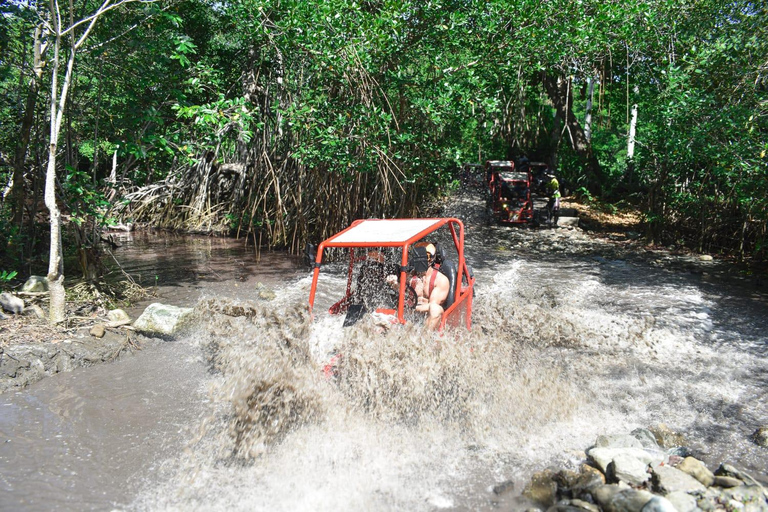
569	341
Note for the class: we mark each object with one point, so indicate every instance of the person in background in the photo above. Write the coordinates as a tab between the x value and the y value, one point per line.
553	205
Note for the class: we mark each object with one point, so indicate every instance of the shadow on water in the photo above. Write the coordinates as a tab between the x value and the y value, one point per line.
182	268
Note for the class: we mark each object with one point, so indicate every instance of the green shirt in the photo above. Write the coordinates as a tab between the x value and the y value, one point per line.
554	188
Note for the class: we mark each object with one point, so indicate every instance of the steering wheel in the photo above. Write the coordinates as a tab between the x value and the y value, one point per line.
410	299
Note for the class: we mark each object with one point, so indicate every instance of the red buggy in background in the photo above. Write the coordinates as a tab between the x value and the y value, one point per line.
510	192
381	247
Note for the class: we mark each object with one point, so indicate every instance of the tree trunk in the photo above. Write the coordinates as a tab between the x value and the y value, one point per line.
26	129
559	91
588	115
58	101
629	177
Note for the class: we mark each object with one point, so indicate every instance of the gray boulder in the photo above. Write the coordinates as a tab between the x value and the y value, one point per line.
11	303
35	284
646	438
667	479
163	320
604	456
626	468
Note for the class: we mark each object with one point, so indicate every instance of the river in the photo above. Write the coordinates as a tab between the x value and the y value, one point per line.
571	339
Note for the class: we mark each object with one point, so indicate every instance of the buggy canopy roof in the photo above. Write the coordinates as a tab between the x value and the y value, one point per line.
384	232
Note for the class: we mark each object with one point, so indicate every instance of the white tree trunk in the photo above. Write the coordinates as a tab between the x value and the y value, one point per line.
58	101
632	131
588	116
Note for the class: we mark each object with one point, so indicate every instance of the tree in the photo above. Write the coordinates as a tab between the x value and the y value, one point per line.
69	38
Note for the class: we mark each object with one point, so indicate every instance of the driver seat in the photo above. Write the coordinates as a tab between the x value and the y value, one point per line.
448	269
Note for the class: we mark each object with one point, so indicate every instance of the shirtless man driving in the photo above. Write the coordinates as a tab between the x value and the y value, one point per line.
430	284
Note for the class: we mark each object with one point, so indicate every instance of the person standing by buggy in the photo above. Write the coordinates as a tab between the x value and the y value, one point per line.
553	205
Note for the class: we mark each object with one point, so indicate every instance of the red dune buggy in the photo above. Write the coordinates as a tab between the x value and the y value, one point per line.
378	248
510	192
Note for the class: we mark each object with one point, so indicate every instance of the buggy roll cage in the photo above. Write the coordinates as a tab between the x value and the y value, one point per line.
403	234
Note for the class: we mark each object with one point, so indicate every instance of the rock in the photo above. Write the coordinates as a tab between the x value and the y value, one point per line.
604	456
503	487
667	479
706	257
35	284
163	320
697	470
618	441
626	468
680	452
573	506
728	470
666	437
646	438
38	311
575	485
726	482
117	315
659	504
264	293
542	488
614	498
760	437
97	331
11	303
745	498
682	501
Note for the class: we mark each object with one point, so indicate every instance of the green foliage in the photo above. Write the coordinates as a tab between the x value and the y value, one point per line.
6	276
386	98
85	201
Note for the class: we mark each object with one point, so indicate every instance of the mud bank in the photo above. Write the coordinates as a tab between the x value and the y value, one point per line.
22	364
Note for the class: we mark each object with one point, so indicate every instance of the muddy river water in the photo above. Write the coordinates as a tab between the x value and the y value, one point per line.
566	345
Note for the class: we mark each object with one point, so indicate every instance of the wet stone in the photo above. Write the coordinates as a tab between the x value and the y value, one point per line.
503	487
666	438
573	506
617	499
163	320
760	437
604	456
726	481
697	470
659	504
646	438
618	441
626	468
682	501
542	488
667	479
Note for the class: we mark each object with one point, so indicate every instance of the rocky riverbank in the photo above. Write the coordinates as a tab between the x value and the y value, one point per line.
647	470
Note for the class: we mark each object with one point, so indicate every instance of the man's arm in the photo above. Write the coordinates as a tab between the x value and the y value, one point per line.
440	291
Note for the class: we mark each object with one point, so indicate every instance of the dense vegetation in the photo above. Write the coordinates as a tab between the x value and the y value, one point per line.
281	120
